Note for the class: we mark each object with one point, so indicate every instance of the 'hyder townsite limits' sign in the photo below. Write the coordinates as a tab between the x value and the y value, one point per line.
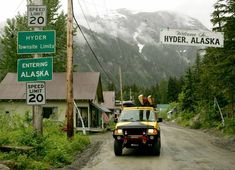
192	38
35	69
32	42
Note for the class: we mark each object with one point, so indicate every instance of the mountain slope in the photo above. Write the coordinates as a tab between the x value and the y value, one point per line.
131	41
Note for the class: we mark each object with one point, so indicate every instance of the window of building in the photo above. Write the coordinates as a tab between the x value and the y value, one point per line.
84	114
48	111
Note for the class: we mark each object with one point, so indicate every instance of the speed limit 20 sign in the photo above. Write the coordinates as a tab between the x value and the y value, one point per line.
36	93
36	15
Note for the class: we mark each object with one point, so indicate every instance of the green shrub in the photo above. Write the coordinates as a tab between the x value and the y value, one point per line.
79	142
111	125
58	157
229	126
4	140
50	150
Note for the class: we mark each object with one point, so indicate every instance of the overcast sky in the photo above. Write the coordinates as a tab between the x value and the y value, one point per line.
199	9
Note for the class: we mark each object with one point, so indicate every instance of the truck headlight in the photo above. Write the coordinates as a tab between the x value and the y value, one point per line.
152	131
118	132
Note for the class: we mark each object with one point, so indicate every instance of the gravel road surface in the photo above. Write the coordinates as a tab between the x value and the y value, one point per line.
182	149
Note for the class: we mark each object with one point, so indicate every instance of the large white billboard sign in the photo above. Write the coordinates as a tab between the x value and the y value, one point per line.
192	38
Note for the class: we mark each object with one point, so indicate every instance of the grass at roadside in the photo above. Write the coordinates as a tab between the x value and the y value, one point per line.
202	120
50	150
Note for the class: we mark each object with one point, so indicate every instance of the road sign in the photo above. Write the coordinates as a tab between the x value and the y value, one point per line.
192	38
36	15
35	69
35	93
31	42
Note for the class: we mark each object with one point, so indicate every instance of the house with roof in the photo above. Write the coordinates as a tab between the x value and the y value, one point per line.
109	103
109	100
88	96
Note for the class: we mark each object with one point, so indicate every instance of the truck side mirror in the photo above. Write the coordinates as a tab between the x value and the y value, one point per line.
159	119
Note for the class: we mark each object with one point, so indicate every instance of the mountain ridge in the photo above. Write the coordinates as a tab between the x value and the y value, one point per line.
134	40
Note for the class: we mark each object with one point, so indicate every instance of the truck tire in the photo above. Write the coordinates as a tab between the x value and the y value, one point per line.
117	148
157	147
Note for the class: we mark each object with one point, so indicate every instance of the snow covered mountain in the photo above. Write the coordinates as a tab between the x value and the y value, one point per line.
131	40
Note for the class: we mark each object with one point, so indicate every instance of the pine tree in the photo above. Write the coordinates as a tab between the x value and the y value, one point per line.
189	92
173	90
214	74
8	61
222	61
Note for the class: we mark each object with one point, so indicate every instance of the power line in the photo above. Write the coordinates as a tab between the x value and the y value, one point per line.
90	46
115	36
88	23
99	18
19	5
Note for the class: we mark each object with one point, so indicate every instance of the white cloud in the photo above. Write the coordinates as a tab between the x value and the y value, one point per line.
199	9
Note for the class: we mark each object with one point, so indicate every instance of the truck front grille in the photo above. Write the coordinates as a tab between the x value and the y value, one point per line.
134	131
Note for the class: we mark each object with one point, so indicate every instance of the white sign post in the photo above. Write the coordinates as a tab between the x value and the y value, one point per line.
192	38
36	15
36	93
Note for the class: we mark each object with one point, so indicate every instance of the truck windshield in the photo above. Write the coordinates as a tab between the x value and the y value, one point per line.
137	115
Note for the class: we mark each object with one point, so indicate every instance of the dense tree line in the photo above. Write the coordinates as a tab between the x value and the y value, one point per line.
213	74
163	92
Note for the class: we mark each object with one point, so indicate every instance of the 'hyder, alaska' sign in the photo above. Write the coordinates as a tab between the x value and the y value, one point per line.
192	38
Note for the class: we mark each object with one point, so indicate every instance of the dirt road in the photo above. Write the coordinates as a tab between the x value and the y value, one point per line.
182	149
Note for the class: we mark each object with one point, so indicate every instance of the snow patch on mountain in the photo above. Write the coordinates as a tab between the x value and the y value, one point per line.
136	34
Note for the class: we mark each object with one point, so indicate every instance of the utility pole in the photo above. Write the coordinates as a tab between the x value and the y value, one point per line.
37	109
120	74
70	131
130	95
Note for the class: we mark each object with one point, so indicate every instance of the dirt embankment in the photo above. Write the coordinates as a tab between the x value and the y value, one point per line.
220	140
82	158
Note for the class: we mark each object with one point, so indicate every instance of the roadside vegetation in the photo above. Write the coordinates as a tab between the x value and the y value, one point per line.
207	97
51	150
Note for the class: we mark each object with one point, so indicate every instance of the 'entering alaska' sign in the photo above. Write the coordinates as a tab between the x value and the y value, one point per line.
192	38
35	69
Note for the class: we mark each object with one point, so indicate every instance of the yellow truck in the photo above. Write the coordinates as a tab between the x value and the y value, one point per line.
137	127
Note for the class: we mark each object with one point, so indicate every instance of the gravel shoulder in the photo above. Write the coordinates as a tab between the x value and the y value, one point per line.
217	137
82	158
